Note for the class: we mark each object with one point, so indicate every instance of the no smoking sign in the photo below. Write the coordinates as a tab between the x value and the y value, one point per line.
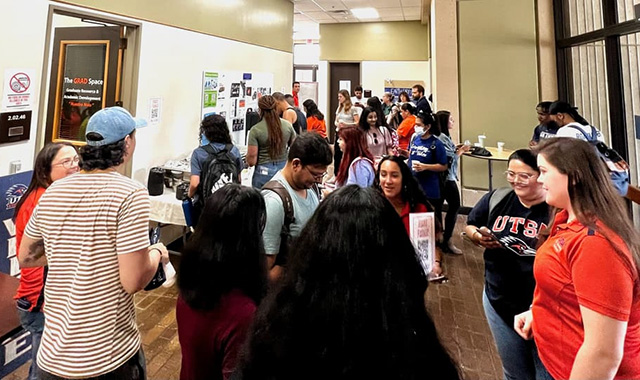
20	83
17	92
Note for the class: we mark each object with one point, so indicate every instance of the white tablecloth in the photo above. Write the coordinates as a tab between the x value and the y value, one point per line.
167	209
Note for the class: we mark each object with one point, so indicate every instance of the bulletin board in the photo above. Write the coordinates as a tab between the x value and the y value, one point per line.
232	94
395	87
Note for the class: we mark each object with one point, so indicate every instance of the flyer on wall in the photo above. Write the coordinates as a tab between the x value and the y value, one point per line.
18	89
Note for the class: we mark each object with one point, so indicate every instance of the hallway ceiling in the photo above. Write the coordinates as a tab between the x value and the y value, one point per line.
338	11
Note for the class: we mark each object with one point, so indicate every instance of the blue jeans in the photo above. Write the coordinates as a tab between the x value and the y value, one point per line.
33	322
519	357
264	172
133	369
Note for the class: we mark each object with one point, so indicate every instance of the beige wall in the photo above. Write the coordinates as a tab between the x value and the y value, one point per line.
547	51
374	41
498	78
266	23
444	62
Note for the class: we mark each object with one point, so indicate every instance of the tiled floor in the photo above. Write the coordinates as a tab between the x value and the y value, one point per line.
455	306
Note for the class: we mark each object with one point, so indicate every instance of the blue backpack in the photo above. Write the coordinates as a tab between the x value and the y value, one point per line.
619	177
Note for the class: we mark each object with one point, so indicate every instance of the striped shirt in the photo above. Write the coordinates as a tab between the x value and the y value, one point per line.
86	220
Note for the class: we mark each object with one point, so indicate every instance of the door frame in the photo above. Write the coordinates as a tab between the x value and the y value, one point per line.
130	63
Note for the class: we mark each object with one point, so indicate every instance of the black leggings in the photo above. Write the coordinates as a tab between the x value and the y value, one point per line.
452	196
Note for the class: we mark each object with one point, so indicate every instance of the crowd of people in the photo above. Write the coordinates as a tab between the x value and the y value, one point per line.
306	274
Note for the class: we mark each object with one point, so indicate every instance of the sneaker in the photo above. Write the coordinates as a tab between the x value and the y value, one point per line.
450	248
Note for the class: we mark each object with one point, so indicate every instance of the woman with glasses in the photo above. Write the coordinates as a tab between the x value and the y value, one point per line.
506	222
55	161
356	166
585	315
378	137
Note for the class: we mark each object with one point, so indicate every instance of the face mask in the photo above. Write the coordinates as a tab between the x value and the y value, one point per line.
419	130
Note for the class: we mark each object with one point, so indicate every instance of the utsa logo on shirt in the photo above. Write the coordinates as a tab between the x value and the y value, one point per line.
517	226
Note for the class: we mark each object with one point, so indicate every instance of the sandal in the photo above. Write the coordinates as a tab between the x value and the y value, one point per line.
437	277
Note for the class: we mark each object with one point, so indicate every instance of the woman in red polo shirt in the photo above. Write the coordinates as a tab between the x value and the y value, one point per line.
585	316
397	184
55	161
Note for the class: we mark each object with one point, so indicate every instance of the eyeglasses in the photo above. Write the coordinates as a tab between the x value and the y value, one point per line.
316	176
69	162
522	177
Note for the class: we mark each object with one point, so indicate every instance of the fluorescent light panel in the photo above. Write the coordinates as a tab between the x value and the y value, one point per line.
365	13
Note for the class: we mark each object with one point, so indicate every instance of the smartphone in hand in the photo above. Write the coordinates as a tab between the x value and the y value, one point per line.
488	233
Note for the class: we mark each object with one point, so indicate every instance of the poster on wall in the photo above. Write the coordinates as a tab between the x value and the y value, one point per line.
82	88
12	188
395	87
232	94
18	89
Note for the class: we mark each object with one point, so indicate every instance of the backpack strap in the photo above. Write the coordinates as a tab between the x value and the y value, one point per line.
497	197
287	202
594	132
209	149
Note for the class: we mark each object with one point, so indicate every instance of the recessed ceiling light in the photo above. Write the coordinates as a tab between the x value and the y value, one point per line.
365	13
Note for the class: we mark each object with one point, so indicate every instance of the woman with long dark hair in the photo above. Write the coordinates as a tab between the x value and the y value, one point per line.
348	308
315	118
395	181
268	142
379	139
356	166
507	222
222	279
55	161
450	192
585	315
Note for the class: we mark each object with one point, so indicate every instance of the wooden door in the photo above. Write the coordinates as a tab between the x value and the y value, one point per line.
85	77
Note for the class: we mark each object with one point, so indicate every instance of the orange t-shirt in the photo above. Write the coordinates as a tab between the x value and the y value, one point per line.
318	126
31	279
577	267
405	131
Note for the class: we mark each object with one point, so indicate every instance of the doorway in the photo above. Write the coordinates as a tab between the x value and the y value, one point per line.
86	69
341	76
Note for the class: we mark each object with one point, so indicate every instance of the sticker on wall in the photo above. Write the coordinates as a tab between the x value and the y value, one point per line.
155	110
18	89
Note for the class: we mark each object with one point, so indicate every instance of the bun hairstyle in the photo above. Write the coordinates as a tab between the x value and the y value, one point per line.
268	106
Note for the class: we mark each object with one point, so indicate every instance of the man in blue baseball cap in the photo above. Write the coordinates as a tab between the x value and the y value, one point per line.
92	230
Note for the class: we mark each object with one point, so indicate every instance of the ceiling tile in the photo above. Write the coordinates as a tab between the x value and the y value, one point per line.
300	17
385	3
357	3
411	3
331	5
392	18
385	12
307	7
318	16
411	11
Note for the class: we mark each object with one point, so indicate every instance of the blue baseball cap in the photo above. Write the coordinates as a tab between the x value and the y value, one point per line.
113	124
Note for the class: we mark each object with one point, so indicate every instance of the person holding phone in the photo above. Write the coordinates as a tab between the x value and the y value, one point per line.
506	222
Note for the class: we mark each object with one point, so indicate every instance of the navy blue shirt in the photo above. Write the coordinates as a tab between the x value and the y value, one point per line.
543	131
423	104
508	271
427	151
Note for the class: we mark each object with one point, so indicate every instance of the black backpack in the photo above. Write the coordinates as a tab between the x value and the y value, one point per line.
219	169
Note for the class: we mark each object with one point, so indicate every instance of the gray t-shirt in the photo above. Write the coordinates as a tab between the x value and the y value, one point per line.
302	211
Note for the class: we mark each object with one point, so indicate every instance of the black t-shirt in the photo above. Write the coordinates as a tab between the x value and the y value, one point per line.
508	274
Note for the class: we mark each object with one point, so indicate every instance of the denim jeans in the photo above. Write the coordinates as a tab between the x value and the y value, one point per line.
133	369
33	322
519	357
264	172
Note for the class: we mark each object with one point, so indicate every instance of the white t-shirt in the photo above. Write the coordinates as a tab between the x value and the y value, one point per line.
569	131
362	101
